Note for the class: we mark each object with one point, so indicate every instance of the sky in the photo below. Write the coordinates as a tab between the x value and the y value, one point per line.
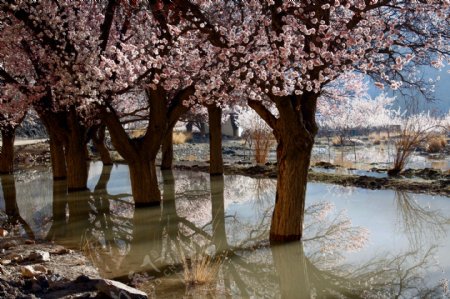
442	92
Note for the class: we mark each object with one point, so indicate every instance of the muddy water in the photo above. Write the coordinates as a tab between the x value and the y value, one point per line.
357	242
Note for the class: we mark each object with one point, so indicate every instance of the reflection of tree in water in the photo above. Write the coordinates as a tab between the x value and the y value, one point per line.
419	222
8	184
150	242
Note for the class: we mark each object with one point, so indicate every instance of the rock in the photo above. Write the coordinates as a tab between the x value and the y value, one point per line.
40	268
115	289
29	242
28	271
5	262
15	257
32	271
61	251
3	232
8	245
39	256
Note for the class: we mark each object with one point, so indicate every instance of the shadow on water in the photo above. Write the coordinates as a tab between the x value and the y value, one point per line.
226	219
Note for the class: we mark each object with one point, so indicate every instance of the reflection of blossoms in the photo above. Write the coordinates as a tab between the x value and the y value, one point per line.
330	233
444	285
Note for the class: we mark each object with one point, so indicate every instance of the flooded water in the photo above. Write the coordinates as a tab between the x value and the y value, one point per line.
357	242
381	156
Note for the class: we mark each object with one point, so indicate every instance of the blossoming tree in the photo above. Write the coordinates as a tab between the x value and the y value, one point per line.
284	53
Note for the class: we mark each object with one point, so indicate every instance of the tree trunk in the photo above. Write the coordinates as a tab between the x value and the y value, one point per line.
58	158
144	183
7	151
98	139
76	154
189	126
77	170
167	150
295	129
293	164
215	140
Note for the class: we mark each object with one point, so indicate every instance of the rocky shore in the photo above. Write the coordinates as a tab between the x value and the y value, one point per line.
34	269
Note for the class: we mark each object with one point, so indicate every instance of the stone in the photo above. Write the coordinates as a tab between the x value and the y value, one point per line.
3	232
27	271
115	289
15	257
5	262
29	242
39	256
9	245
60	251
40	268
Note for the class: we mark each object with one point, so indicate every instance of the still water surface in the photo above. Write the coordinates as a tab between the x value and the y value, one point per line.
357	242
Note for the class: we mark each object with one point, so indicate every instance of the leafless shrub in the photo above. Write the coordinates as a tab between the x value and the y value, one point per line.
416	131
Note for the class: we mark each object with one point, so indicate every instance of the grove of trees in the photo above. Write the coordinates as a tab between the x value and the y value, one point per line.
89	65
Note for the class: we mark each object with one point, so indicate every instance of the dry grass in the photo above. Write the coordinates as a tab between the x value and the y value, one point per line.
260	138
436	144
262	142
200	269
382	136
137	133
337	140
181	137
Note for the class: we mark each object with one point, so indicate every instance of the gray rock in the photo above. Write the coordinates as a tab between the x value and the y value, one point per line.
115	289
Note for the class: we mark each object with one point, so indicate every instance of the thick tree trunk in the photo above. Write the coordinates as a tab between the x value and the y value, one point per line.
98	139
77	170
144	183
58	158
293	165
76	154
295	129
215	140
7	151
167	151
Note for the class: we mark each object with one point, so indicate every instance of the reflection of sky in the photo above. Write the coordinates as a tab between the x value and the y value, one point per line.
377	211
